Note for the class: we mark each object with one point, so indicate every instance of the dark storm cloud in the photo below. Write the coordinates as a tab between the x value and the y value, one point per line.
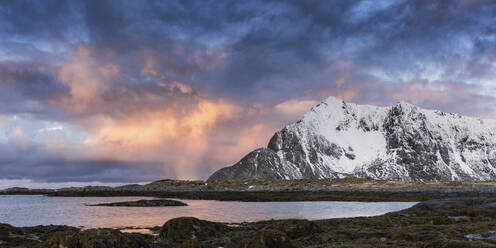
24	160
400	40
26	89
274	46
91	63
34	19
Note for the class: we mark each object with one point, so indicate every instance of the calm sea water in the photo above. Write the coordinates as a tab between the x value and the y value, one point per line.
21	210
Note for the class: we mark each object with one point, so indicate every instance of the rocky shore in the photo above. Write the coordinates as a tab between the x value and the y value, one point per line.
347	189
456	222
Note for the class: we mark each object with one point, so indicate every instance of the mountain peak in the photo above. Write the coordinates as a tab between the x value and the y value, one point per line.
400	142
405	105
333	100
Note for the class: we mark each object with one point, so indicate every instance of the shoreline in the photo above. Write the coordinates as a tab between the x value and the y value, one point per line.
460	222
450	214
347	189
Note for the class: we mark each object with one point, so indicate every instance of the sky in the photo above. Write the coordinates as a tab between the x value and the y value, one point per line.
135	91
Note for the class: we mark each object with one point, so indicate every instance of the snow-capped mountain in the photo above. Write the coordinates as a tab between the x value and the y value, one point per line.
401	142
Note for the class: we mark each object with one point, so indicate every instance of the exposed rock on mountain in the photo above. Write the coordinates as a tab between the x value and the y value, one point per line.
401	142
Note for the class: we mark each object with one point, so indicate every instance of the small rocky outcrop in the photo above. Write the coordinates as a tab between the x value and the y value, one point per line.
270	238
144	203
102	238
296	228
5	231
191	244
21	237
190	228
11	235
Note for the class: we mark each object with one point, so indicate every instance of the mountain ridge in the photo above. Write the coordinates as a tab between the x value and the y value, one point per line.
400	142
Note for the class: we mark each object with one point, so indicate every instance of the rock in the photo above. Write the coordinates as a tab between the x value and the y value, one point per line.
296	228
11	236
102	238
270	238
190	228
191	244
5	230
144	203
449	202
15	237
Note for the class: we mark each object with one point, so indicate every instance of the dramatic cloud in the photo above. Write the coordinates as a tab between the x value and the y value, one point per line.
133	91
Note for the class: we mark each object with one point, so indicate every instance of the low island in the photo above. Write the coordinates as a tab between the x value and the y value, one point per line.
142	203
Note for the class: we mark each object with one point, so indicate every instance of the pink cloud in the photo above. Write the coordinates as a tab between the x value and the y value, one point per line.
87	80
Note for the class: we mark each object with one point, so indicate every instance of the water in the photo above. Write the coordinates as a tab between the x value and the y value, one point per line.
31	210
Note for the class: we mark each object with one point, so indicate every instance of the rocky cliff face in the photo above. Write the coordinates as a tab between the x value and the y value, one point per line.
401	142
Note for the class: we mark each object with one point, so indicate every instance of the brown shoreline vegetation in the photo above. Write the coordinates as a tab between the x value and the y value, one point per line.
456	222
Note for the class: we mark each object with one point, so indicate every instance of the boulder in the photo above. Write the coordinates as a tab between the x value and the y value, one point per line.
296	228
191	244
270	238
101	238
190	228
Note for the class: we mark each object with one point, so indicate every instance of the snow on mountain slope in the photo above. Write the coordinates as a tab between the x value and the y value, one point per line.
401	142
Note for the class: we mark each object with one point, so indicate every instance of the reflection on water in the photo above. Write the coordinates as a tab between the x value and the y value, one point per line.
26	210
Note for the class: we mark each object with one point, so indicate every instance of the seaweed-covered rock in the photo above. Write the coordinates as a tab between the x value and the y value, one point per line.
11	236
15	237
101	238
5	231
296	228
270	238
191	244
190	228
451	202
